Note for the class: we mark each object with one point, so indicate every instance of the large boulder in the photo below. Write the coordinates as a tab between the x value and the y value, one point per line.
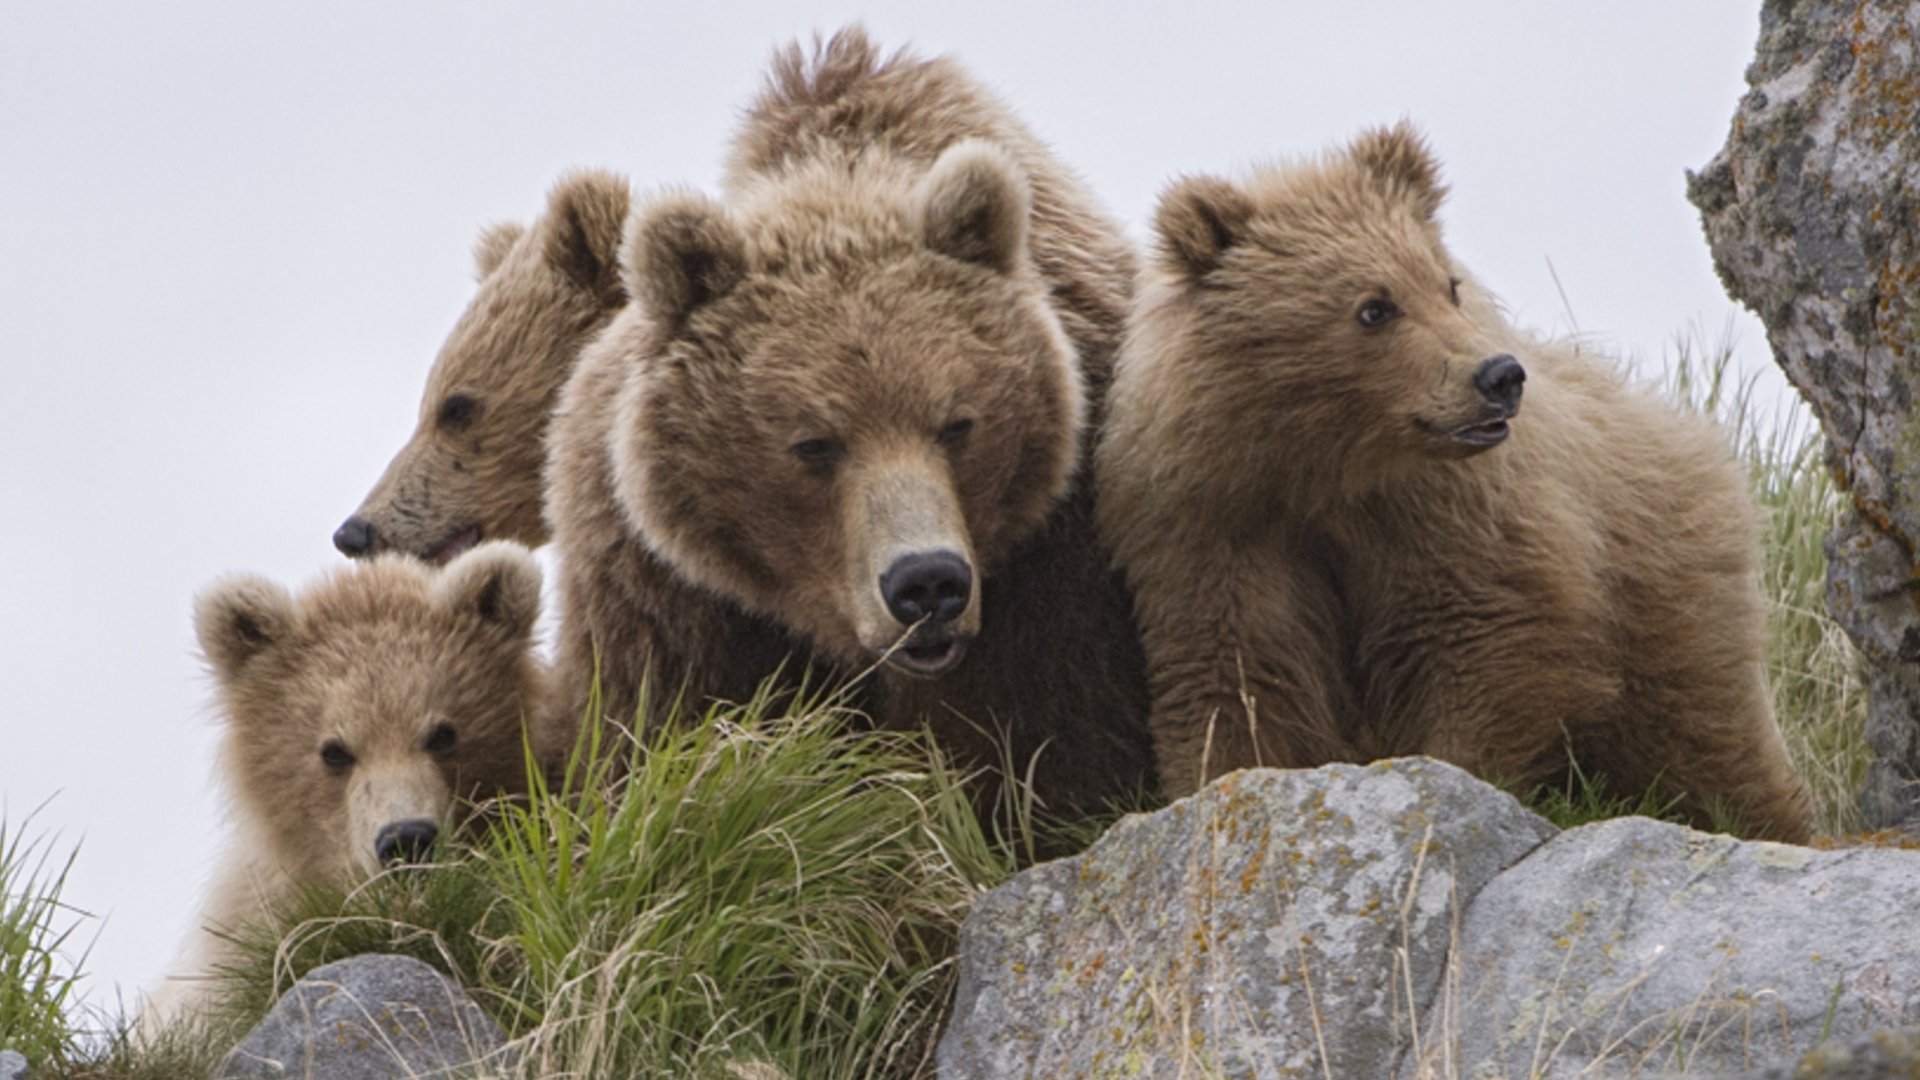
1270	921
1637	947
369	1018
1811	210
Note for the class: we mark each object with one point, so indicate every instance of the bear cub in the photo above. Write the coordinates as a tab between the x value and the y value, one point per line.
355	715
1363	516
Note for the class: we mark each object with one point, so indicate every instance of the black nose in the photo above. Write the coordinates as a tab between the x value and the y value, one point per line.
405	841
932	585
1499	380
354	537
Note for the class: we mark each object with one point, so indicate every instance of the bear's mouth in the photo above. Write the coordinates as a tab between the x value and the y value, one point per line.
1482	435
926	656
450	548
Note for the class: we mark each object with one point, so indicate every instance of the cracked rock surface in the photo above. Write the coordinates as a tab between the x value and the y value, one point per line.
1811	210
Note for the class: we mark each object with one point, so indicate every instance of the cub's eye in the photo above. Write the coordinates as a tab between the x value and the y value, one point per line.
955	433
1376	313
819	453
441	739
456	412
335	755
1453	286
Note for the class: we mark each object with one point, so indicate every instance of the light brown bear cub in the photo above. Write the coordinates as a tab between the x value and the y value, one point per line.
843	421
355	714
472	469
1365	517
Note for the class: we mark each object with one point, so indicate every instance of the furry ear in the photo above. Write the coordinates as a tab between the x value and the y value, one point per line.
974	205
497	582
586	216
682	251
1399	158
491	249
239	618
1198	219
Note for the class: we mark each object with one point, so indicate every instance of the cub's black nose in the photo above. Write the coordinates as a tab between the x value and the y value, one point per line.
354	538
931	585
405	841
1500	380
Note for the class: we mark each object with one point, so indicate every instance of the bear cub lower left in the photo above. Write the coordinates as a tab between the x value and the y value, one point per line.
355	714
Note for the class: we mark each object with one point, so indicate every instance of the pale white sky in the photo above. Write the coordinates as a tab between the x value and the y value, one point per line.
233	235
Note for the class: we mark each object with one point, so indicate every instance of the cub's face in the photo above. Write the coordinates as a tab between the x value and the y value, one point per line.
1323	295
844	426
471	470
359	711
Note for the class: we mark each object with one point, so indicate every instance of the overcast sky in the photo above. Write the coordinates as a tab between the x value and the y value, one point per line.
233	235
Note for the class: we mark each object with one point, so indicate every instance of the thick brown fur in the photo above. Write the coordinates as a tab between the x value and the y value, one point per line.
1324	572
472	469
416	682
890	336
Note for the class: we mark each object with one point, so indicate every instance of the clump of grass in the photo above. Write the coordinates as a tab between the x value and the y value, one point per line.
38	980
751	886
1820	696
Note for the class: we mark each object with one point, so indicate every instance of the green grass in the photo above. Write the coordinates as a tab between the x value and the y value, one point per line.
38	976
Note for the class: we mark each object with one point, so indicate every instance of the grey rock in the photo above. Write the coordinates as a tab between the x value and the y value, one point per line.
1635	947
1883	1055
369	1018
12	1066
1811	210
1277	923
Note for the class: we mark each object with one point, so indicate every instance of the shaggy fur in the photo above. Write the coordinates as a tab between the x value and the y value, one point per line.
376	697
472	469
1323	571
889	338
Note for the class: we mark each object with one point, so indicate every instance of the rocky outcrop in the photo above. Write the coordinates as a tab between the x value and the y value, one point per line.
369	1018
1403	919
1811	210
1272	922
12	1066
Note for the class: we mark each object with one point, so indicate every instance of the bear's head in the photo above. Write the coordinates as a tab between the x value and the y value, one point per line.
1315	310
849	397
359	710
472	469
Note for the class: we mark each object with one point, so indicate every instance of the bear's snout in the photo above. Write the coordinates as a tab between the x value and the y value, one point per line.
354	537
405	841
934	586
1500	380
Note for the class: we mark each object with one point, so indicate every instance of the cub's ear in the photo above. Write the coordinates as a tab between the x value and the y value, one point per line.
497	582
239	618
491	249
1198	219
1398	158
682	251
974	206
586	217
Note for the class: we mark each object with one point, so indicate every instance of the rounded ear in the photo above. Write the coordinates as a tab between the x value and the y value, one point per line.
1198	219
491	249
974	206
239	618
682	251
1398	157
586	217
497	582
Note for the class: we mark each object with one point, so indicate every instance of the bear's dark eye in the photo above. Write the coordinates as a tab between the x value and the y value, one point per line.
441	739
335	755
955	433
819	453
1453	286
1376	313
456	413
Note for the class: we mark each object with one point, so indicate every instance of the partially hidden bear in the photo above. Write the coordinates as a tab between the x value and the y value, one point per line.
1364	516
472	470
844	424
354	715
